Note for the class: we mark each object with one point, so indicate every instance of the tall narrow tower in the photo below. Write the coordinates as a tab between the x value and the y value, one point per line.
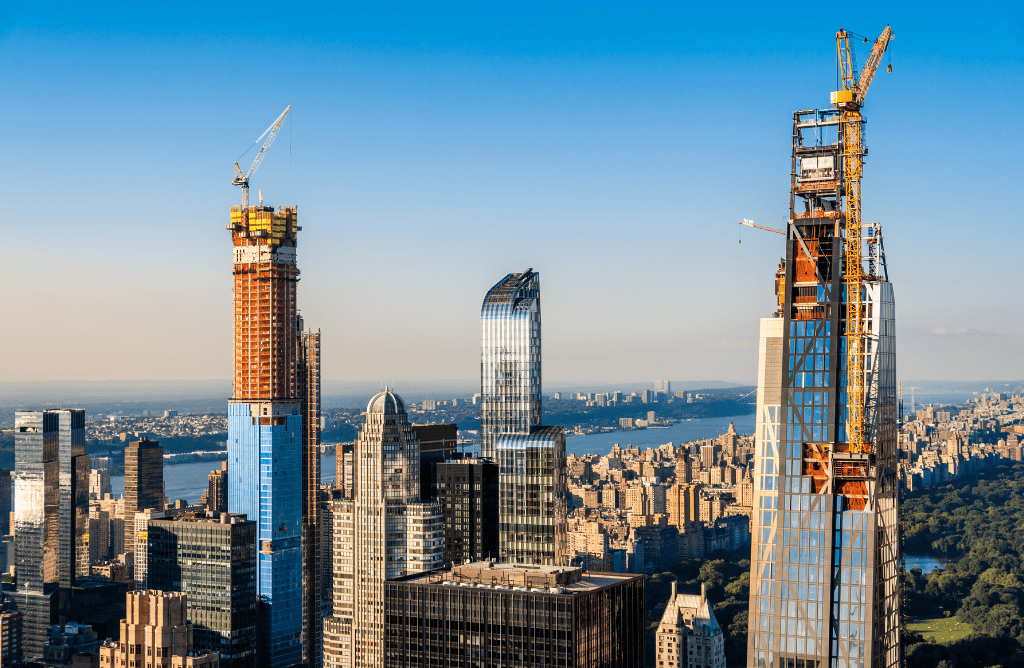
143	483
825	549
396	534
265	429
51	520
312	592
510	359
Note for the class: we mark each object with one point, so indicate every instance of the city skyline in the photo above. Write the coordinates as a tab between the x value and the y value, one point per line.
593	140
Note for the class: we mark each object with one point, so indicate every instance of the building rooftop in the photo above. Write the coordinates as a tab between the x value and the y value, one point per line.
386	402
520	577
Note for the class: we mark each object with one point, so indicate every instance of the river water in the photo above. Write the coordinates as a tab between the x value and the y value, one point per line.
189	481
680	432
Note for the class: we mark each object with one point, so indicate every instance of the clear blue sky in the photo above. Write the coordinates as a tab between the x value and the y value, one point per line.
435	147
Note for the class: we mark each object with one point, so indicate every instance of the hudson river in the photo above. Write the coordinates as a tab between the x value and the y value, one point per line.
680	432
188	481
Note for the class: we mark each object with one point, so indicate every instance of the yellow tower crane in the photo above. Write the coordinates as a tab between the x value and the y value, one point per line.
243	179
849	99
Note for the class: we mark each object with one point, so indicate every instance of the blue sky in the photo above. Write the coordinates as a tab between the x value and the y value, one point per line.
434	148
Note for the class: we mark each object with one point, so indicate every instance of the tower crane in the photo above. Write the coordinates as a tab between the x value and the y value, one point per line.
766	228
243	179
849	99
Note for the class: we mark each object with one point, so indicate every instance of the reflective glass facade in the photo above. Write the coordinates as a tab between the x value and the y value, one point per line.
533	494
510	373
51	522
264	482
825	550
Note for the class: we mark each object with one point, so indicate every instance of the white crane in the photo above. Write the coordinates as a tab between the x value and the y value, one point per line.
243	179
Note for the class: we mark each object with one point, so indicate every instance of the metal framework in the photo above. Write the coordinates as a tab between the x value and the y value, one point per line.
243	179
849	99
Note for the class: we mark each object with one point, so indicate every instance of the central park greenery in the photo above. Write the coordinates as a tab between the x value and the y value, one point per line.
975	524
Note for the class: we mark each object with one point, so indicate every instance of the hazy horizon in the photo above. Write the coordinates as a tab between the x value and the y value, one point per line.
433	149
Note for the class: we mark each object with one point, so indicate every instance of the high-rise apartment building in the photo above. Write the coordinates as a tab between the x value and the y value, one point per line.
155	633
217	490
6	489
212	560
825	550
394	532
337	647
312	541
273	421
140	543
51	518
510	371
143	482
344	470
502	615
533	490
467	490
99	483
10	638
688	635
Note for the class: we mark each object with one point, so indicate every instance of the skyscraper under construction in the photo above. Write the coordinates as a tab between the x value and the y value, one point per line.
273	428
825	550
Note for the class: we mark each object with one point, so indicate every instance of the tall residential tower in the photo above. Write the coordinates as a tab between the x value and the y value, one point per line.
393	533
266	434
825	553
510	359
143	483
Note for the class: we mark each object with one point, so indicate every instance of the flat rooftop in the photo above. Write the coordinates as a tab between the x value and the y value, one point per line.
520	577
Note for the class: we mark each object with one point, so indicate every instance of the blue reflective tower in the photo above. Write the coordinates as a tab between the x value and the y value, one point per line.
265	434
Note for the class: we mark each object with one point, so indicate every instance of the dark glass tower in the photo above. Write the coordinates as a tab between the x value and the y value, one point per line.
438	442
468	492
506	615
143	483
51	517
213	561
510	374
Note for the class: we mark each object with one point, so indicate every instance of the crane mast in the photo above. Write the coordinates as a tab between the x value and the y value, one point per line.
848	100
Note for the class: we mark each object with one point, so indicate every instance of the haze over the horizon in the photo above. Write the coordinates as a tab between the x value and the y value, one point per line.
433	149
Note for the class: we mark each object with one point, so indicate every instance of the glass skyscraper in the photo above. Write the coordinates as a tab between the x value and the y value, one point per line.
824	574
51	521
510	374
532	504
265	430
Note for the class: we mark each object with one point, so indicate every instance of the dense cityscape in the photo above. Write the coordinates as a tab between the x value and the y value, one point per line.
848	526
